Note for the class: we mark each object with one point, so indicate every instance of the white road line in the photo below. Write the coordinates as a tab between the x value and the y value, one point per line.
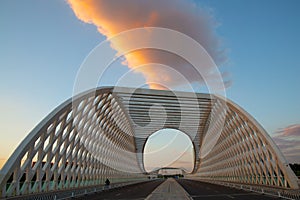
230	196
220	195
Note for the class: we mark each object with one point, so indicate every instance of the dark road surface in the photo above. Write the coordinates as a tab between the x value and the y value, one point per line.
201	190
136	191
196	189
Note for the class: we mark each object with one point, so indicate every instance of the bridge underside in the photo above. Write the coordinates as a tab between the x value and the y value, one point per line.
102	133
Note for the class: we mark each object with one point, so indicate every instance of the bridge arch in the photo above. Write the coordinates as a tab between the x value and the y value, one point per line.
95	136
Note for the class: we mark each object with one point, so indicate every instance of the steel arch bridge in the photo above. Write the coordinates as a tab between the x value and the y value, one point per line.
101	134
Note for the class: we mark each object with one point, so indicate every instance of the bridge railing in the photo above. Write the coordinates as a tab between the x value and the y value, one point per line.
71	193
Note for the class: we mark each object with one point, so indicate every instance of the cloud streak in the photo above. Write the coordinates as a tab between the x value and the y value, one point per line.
288	141
113	16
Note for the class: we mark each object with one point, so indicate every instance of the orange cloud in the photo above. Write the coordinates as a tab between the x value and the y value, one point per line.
113	16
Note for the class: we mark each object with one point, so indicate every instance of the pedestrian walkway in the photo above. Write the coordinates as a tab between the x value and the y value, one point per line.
169	189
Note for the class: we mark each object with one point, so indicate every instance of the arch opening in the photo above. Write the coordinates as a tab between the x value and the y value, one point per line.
169	148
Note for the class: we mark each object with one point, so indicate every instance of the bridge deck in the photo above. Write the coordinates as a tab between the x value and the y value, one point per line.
177	189
201	190
135	191
169	189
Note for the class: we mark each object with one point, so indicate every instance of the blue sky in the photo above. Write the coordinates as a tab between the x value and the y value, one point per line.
43	45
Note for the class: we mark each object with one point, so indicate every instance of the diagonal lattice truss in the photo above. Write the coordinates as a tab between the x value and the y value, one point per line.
101	134
245	153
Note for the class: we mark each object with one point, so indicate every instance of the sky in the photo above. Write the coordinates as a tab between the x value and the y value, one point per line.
43	44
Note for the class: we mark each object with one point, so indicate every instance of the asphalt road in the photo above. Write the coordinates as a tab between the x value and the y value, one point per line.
201	190
136	191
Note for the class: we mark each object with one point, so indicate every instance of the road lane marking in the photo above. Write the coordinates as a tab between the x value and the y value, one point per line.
230	196
220	195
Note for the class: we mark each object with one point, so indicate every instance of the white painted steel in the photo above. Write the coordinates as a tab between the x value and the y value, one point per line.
101	134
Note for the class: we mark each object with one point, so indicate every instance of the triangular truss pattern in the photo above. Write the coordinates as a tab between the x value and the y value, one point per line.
101	134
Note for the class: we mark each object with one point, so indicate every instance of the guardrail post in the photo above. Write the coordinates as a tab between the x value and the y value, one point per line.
279	195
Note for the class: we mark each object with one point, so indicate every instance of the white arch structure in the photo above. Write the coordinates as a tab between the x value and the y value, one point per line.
101	134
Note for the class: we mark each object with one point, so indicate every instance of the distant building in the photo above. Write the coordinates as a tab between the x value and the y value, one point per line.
169	171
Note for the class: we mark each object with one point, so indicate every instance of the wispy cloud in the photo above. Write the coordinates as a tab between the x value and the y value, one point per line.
288	141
